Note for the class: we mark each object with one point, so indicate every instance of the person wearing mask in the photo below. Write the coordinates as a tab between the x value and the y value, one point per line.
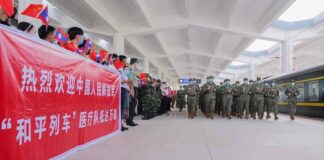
271	98
164	100
6	11
292	92
46	33
76	39
227	100
258	98
26	27
125	88
245	90
130	73
192	91
209	91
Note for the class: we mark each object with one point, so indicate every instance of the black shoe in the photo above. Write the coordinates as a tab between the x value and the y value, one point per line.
124	128
132	124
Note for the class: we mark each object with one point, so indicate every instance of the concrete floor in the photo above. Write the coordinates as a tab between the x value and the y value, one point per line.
178	138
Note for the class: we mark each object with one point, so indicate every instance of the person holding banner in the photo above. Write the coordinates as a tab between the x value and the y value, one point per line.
46	33
76	39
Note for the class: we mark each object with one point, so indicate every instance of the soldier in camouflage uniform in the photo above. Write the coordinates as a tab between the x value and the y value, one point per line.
219	97
148	100
192	90
292	92
181	99
236	99
157	97
227	100
258	98
244	99
209	90
251	108
271	99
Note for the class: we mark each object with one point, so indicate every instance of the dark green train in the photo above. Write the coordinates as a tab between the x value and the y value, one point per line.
310	82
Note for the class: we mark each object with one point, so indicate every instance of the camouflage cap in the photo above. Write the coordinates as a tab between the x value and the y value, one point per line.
259	79
245	79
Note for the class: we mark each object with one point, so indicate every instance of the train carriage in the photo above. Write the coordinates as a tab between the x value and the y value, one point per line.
310	82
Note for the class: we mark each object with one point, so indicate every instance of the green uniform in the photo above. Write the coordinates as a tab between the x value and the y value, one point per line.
271	99
245	90
258	99
236	99
157	100
192	91
181	99
292	92
209	92
148	100
218	104
227	99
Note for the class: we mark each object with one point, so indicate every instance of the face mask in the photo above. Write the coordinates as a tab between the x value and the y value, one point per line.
293	84
237	84
81	40
259	81
227	82
273	84
245	82
126	72
210	81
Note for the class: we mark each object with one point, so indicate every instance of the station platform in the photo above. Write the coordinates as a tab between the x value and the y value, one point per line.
175	137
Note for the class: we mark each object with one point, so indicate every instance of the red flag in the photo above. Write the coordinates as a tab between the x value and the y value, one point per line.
33	10
7	6
103	54
93	55
119	64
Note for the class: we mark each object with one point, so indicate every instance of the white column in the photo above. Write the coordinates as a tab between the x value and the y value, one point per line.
119	45
159	75
252	71
146	65
22	5
286	60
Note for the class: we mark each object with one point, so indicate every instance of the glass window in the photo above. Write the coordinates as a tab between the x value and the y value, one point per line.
314	91
301	96
282	95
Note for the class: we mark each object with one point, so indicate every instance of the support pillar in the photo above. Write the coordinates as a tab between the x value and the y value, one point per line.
286	60
146	65
119	46
252	71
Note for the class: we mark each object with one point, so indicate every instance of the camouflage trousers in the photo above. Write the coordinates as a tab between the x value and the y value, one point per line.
192	104
258	101
244	105
209	101
148	107
292	106
227	103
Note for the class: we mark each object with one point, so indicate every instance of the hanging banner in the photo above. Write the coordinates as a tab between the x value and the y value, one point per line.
52	101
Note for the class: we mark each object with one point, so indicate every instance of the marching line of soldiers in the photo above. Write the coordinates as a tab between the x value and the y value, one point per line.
250	99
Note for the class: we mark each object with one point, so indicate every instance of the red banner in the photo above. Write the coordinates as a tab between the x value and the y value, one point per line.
52	101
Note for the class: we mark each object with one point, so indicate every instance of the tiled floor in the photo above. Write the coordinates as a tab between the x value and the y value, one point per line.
178	138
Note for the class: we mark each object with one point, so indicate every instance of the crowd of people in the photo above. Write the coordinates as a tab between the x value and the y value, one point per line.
150	96
250	99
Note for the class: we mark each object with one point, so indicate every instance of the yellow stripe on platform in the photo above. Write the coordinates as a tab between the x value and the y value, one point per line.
304	104
305	80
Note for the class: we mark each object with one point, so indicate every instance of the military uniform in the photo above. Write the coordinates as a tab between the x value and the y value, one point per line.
181	99
148	101
236	99
244	100
251	106
292	92
258	99
192	90
227	100
218	102
209	91
271	98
